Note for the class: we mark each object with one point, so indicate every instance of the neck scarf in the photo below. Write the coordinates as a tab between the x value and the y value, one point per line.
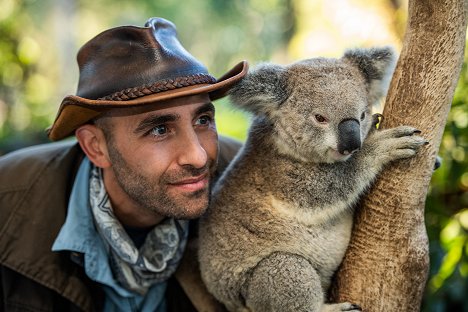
136	269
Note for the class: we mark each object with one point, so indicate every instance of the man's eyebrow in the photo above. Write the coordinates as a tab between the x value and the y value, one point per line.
208	107
154	120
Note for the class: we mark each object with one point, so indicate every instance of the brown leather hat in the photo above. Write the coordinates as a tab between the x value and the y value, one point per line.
132	66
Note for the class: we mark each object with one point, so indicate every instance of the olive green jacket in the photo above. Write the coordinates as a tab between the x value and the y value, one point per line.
35	184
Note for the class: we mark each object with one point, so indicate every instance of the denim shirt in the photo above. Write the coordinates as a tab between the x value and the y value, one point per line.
79	234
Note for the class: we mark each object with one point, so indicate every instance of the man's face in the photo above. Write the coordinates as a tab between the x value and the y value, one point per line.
163	159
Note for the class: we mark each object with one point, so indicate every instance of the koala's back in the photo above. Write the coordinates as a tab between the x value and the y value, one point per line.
248	221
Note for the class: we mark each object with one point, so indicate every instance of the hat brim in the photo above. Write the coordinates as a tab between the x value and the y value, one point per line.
75	111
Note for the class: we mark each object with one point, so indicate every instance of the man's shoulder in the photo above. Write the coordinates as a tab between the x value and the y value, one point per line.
37	151
19	167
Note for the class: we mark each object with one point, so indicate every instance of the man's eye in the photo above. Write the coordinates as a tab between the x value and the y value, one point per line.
203	120
159	130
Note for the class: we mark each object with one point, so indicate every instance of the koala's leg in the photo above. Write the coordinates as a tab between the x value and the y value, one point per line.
286	282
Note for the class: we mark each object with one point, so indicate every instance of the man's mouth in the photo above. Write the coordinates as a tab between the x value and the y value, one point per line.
192	184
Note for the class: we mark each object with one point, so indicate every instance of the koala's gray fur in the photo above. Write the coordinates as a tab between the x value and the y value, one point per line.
281	215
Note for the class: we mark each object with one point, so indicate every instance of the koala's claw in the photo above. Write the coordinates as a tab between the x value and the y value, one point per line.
341	307
413	142
400	131
438	162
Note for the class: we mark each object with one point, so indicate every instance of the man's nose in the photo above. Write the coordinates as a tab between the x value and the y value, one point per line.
191	151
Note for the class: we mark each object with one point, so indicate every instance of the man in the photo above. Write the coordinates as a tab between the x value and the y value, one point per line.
103	224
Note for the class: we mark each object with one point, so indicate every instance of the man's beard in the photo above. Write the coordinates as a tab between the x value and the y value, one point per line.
154	195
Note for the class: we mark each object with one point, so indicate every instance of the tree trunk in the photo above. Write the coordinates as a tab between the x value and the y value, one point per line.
387	263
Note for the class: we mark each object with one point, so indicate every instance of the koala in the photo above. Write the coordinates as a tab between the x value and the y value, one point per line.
280	218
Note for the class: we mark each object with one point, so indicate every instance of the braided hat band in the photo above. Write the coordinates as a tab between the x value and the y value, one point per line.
160	86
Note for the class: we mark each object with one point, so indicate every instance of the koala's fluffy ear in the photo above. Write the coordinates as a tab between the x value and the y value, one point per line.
377	65
262	90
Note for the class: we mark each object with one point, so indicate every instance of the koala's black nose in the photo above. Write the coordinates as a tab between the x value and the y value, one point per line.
349	136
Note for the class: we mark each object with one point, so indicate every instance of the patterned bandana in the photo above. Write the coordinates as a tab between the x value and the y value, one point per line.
136	269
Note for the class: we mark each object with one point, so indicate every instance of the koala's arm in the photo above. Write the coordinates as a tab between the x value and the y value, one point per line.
342	183
384	146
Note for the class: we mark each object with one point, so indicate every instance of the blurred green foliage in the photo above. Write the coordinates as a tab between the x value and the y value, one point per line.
40	38
39	41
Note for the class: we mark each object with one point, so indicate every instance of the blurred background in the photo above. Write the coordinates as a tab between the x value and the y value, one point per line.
39	40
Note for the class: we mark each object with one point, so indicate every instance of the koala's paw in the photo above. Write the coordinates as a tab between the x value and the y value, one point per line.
340	307
395	143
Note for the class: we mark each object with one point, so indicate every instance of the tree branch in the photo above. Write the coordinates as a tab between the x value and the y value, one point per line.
387	262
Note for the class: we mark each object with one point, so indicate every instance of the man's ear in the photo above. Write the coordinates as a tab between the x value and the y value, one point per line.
93	143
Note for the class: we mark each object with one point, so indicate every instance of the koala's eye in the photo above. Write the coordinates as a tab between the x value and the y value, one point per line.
363	115
321	119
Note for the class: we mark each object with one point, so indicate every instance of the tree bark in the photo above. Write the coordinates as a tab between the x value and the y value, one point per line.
387	262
